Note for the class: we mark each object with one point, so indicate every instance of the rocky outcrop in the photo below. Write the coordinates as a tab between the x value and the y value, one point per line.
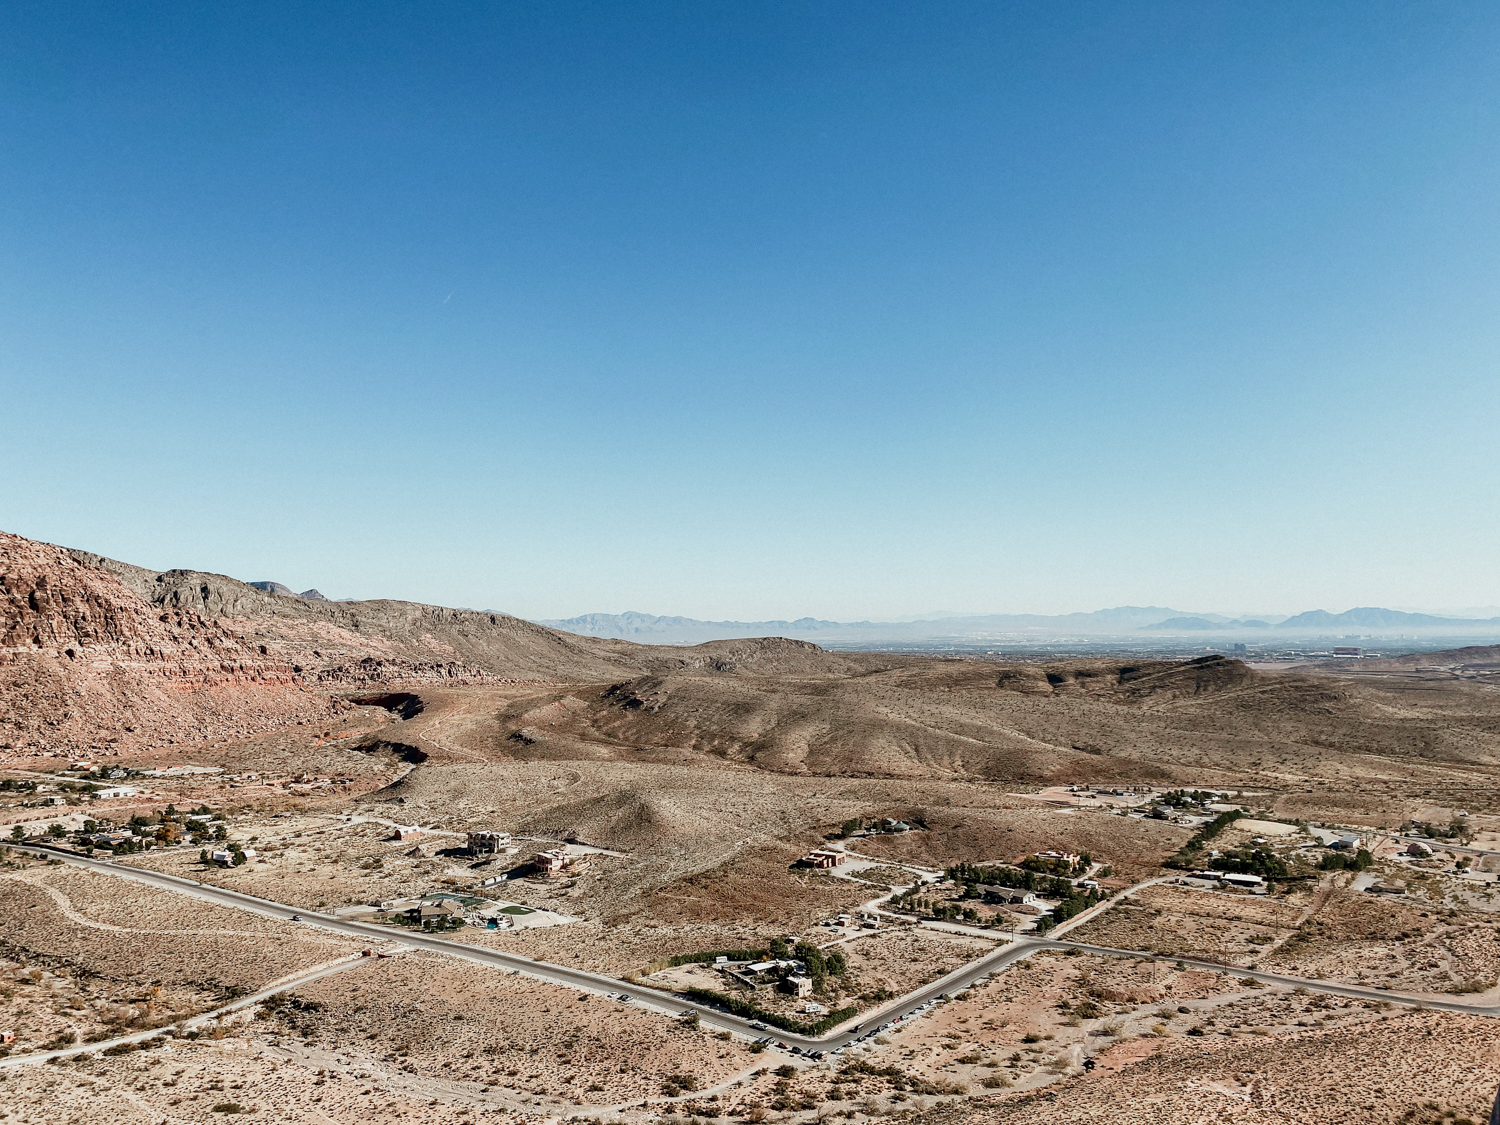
1151	681
85	660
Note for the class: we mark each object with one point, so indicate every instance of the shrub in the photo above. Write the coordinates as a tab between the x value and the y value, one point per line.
1186	857
708	956
750	1011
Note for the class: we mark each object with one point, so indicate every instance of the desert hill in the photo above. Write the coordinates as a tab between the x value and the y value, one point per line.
963	720
94	651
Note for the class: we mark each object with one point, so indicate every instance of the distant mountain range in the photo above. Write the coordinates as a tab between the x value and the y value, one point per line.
1372	618
1122	621
648	628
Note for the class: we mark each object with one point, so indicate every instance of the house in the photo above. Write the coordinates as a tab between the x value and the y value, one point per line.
798	985
1347	843
114	791
407	832
1418	849
1380	887
487	843
1237	880
823	858
889	824
441	910
7	1038
1070	858
221	855
552	864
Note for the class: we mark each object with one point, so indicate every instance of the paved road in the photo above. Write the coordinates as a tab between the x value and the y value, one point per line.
956	981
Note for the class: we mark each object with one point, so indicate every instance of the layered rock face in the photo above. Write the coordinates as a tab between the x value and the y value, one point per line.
85	661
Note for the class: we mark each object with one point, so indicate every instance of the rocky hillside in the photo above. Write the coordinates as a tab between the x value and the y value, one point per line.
96	652
85	660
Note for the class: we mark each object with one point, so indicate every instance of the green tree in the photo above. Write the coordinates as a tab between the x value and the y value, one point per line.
56	831
18	833
203	857
851	826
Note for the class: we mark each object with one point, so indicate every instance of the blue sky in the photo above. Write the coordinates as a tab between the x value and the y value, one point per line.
760	310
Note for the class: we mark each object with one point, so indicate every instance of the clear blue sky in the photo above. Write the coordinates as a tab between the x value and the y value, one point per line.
760	310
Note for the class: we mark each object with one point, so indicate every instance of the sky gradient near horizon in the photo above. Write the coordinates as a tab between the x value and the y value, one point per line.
763	310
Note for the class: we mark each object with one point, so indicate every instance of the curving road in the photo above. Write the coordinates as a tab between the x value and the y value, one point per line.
899	1009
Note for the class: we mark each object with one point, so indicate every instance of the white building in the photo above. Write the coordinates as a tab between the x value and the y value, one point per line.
1236	880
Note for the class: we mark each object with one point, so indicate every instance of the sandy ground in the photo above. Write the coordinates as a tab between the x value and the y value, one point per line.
1330	932
88	955
1431	1067
409	1038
